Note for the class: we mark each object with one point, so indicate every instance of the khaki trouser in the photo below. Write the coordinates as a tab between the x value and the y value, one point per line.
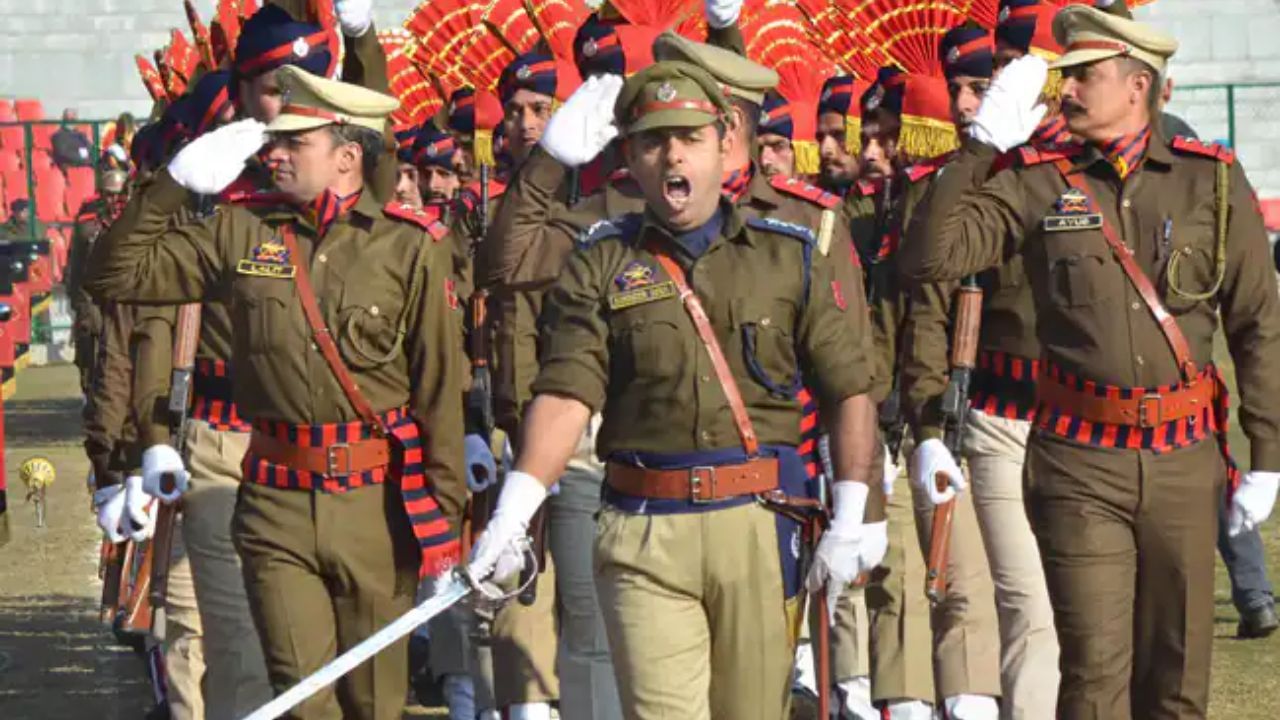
184	654
324	572
850	636
236	678
695	615
524	641
901	644
1128	540
966	632
995	448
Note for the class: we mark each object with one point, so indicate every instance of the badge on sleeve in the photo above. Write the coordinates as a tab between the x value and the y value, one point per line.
270	258
1073	211
451	294
838	293
636	286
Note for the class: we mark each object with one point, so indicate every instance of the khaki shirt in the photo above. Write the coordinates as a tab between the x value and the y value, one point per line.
646	368
871	217
373	275
1090	319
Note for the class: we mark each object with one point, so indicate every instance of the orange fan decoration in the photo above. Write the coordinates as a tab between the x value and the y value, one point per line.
509	21
199	31
181	60
558	22
225	30
779	39
836	26
451	42
151	78
418	96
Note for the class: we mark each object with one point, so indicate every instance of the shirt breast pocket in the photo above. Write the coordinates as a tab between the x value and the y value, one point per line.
647	347
1191	277
369	328
765	332
1081	273
267	315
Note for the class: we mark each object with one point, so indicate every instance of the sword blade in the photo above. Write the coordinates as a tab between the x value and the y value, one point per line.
449	594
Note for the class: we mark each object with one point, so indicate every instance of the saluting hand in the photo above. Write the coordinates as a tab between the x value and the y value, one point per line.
355	16
583	126
1011	108
723	13
214	160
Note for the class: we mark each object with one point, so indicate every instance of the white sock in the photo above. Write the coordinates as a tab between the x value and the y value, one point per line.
803	674
910	710
972	707
855	698
529	711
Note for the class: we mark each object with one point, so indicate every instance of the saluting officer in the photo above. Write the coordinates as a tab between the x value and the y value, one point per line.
1136	246
675	323
349	371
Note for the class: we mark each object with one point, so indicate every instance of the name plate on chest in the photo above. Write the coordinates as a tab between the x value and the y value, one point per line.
1066	223
263	269
642	295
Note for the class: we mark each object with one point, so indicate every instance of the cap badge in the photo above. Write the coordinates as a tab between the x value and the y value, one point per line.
826	95
666	92
1004	13
300	48
764	117
877	97
1073	202
589	48
524	73
953	55
432	150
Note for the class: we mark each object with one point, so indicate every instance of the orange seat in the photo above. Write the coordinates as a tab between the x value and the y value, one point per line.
41	161
80	185
11	138
28	109
6	111
51	197
9	160
42	136
15	185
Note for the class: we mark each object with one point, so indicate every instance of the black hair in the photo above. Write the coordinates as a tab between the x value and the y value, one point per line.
750	115
372	145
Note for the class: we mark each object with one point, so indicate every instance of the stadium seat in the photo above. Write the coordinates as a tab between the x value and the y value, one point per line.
28	109
11	138
7	113
15	184
41	161
9	160
80	187
42	136
51	202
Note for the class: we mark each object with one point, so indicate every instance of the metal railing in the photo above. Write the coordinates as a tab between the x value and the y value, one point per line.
96	129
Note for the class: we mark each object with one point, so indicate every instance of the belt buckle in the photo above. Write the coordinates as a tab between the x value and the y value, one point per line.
1150	410
338	460
697	483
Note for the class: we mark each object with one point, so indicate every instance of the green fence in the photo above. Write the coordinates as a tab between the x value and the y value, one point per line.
94	130
1237	114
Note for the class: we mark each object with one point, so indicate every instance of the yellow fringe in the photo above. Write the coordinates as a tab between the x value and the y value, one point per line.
483	148
922	138
853	134
806	153
10	387
1053	83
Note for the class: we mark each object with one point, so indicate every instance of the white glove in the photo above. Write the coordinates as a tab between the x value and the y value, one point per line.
482	468
108	502
583	126
139	521
1252	502
499	553
1011	108
355	16
214	160
158	461
891	471
723	13
972	707
932	458
837	563
875	543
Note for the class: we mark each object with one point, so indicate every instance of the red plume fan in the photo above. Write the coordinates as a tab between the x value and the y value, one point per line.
151	78
983	12
837	28
182	60
558	21
204	42
780	40
451	42
225	30
417	95
510	22
660	14
909	32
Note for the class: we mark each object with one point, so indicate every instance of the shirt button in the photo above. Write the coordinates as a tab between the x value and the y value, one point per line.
706	435
706	378
1127	202
1138	359
1135	305
313	346
373	310
765	321
322	257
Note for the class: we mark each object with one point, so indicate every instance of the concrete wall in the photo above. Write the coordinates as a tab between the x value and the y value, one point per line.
79	53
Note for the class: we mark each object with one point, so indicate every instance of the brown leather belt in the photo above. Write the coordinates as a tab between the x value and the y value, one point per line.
1143	411
337	460
702	484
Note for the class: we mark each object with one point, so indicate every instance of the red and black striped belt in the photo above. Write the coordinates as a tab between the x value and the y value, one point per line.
1160	419
1004	385
334	458
211	397
810	434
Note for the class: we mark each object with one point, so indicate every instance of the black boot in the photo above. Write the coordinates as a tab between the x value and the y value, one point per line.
1258	622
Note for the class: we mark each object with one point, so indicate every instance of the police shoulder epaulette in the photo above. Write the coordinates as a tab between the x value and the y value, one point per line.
624	226
436	229
253	198
799	232
1032	154
922	170
804	190
1193	146
867	188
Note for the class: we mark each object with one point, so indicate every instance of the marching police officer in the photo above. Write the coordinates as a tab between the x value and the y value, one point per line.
351	375
1136	246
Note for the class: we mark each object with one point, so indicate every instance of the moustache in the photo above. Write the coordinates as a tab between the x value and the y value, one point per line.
1070	108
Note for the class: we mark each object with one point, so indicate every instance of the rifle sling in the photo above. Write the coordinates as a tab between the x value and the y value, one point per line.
708	336
1172	333
323	338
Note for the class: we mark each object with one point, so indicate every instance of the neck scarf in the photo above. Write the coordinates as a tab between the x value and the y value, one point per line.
1125	152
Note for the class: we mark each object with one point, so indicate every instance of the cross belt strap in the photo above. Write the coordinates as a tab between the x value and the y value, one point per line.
324	339
708	336
1141	283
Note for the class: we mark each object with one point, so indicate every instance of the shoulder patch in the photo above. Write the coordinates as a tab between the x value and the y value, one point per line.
1030	154
1192	146
436	229
253	198
922	170
799	232
619	227
867	188
805	191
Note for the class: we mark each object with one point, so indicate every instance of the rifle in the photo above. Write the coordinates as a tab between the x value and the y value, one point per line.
110	566
187	335
955	407
135	609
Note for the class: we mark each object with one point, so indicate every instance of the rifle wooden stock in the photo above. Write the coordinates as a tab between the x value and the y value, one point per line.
955	408
822	663
137	608
110	564
186	338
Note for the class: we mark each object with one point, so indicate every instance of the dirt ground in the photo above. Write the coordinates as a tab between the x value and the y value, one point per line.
58	662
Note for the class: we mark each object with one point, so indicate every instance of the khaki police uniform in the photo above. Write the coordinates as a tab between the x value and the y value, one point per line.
1123	507
616	339
323	567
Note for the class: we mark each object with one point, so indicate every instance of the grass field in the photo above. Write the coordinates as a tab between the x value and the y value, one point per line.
56	661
